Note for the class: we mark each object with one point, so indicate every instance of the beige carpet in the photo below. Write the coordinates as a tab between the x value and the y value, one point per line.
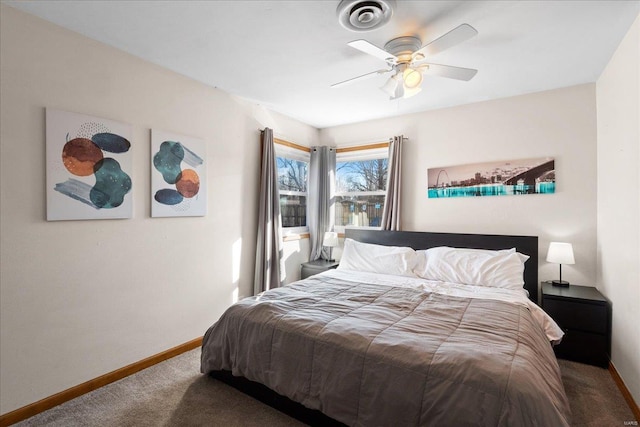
595	399
174	393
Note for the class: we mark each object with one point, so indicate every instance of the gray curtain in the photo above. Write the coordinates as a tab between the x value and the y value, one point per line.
322	170
391	211
268	251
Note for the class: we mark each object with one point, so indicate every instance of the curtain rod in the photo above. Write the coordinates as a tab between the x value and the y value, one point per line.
390	139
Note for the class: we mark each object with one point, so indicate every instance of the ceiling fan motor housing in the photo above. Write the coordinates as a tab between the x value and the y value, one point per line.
363	15
403	47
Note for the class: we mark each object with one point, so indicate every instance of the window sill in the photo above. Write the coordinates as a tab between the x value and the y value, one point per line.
341	229
294	236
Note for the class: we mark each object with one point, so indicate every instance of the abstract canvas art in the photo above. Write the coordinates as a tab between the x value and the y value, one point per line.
503	178
89	166
178	175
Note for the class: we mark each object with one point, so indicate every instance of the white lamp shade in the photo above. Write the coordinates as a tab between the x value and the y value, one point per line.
394	87
330	239
560	253
390	86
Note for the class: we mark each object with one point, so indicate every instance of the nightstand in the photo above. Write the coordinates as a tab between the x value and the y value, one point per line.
584	315
318	266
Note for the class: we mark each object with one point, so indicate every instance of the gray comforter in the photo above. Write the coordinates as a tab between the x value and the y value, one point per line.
378	355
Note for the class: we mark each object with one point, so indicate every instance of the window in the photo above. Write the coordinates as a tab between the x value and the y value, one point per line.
293	167
361	184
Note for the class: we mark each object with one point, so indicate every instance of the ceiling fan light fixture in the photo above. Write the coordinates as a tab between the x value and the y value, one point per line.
408	93
390	86
399	92
394	87
412	78
363	15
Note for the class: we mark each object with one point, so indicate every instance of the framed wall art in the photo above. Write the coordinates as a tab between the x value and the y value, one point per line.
89	167
178	175
500	178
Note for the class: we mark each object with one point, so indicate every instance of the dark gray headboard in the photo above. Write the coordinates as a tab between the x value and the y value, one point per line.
417	240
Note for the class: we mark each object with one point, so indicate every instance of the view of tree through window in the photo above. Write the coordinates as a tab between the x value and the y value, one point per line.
360	192
361	182
292	183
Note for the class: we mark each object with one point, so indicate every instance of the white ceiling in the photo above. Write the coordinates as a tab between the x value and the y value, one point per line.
285	54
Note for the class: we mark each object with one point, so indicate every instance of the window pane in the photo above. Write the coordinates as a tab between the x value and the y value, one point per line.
292	174
293	210
361	175
362	211
292	178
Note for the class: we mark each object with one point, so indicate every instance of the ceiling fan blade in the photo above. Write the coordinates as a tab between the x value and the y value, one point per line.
373	50
452	38
362	77
448	71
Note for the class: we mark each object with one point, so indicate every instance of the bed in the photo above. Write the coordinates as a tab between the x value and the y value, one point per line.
380	342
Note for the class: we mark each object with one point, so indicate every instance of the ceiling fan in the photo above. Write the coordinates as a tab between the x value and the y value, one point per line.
407	61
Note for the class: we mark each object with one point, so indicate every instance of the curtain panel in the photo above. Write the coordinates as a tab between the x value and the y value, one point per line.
392	208
269	240
320	217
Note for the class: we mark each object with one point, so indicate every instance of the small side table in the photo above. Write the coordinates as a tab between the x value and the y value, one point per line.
318	266
584	315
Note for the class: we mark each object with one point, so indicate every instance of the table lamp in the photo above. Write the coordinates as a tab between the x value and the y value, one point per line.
330	240
560	253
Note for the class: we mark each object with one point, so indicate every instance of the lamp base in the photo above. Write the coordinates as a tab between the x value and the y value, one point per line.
330	257
561	283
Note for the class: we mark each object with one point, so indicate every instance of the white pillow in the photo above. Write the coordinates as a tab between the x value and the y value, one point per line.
499	269
359	256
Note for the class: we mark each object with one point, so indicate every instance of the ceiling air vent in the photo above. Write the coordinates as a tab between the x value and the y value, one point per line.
361	15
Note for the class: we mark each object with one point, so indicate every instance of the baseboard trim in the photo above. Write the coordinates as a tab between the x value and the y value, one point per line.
59	398
73	392
625	391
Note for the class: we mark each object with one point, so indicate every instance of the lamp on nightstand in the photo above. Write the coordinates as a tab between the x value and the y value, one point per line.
330	240
560	253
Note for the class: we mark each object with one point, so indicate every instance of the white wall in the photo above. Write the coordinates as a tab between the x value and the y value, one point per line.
559	123
82	298
294	253
618	104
